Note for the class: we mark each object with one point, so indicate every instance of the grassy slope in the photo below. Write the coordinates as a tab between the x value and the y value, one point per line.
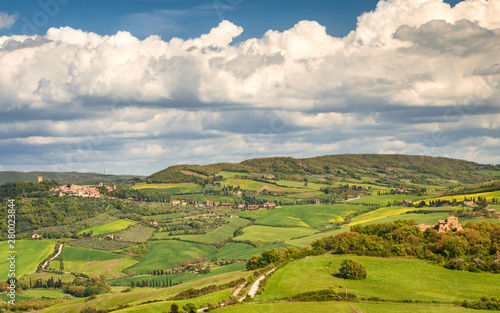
94	262
303	215
165	253
460	198
341	307
184	278
30	253
222	233
383	199
239	250
141	295
387	278
138	233
108	227
269	234
171	189
306	241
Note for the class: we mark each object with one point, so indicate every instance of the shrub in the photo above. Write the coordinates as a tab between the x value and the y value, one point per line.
350	269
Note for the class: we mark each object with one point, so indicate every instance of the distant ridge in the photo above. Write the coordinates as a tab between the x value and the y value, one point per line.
60	177
402	166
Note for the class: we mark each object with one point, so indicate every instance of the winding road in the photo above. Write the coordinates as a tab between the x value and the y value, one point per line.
256	284
55	256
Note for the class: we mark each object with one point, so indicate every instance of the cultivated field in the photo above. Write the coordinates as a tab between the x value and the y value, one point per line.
165	254
180	278
342	307
389	279
108	227
172	189
222	233
138	233
460	198
243	251
30	253
93	262
268	234
303	215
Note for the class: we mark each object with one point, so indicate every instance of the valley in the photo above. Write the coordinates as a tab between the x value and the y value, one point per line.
200	236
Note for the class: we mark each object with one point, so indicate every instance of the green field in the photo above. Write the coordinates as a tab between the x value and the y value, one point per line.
30	253
172	189
43	293
165	254
429	219
248	184
225	174
93	262
342	307
306	241
243	251
138	296
80	254
383	200
137	233
222	233
46	275
108	227
180	278
460	198
303	215
389	279
202	198
381	215
297	184
167	216
268	234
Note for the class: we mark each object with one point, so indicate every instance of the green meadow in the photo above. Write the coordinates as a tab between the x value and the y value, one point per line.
343	307
138	296
165	254
108	227
30	253
389	279
93	262
171	188
268	234
43	293
137	233
167	216
180	278
253	185
243	251
303	215
222	233
383	200
306	241
381	215
460	198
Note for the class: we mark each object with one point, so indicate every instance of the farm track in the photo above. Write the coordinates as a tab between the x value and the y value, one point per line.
237	291
51	259
256	284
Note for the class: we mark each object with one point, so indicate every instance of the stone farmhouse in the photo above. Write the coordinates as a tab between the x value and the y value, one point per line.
449	224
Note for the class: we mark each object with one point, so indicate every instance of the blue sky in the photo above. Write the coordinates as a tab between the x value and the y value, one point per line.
135	86
183	18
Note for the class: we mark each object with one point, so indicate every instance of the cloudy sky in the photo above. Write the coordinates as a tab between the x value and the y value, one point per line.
135	86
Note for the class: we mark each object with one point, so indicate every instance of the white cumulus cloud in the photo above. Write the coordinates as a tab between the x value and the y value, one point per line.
6	20
385	87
